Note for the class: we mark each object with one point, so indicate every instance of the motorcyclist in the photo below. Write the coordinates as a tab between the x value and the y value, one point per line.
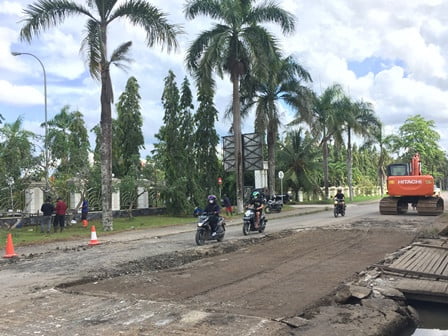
257	202
340	197
212	209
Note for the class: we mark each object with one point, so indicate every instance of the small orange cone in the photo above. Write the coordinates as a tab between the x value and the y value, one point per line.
85	223
9	247
93	238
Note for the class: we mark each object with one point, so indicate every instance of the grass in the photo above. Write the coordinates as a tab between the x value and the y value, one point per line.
29	235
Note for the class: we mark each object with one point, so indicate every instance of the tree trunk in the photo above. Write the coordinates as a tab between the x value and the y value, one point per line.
325	166
271	162
238	143
349	164
106	151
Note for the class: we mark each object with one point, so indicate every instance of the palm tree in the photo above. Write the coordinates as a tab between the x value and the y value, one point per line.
284	85
100	13
326	122
300	158
237	45
362	121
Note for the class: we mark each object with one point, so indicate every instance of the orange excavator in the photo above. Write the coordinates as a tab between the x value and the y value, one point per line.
406	185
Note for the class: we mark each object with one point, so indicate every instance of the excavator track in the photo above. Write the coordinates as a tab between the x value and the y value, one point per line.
392	206
431	206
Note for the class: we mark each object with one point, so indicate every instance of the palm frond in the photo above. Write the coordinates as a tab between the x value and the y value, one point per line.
154	22
210	8
47	13
271	12
119	56
91	47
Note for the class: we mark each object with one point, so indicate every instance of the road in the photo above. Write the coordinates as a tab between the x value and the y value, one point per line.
158	282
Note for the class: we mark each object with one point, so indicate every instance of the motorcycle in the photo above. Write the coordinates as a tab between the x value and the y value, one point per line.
204	231
274	205
339	207
249	222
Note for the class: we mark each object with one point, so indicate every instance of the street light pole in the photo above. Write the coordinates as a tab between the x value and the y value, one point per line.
15	53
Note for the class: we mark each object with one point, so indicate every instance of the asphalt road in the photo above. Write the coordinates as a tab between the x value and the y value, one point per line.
120	290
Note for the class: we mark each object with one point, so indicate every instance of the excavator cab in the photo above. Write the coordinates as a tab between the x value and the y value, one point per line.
398	169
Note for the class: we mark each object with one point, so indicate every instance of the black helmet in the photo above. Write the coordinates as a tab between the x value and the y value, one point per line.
339	190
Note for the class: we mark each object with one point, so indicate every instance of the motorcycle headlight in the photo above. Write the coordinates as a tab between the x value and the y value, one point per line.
247	213
335	202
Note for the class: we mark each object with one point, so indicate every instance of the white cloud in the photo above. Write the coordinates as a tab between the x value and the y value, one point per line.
15	94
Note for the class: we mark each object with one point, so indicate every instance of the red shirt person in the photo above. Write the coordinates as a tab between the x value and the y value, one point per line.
60	210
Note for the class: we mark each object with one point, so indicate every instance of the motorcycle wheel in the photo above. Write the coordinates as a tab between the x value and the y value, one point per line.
246	228
220	238
343	212
200	237
335	211
267	209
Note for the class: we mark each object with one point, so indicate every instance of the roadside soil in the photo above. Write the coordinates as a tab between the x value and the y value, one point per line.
270	284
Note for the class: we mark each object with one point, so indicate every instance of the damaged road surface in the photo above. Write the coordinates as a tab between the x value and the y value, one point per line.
164	285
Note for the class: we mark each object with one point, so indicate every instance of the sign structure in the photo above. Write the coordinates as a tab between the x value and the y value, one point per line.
252	152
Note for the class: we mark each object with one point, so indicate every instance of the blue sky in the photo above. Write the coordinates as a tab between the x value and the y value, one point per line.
390	53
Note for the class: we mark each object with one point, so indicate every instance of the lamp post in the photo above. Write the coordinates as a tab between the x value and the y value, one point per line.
15	53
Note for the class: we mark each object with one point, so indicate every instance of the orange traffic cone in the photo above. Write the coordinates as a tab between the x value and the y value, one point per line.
85	223
93	238
9	247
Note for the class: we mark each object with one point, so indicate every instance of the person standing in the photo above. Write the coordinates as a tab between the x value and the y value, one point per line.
47	209
84	213
60	209
227	204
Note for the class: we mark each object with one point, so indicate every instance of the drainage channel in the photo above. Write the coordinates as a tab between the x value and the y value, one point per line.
433	318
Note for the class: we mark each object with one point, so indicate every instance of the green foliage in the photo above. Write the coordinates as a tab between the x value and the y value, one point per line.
18	166
418	135
128	139
171	153
68	142
300	160
206	141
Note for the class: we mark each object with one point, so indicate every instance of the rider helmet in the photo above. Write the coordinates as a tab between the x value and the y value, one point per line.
255	194
339	190
211	198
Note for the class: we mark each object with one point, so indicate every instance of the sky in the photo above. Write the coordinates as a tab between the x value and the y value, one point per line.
391	53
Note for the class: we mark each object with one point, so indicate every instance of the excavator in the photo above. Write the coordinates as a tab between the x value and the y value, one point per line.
406	185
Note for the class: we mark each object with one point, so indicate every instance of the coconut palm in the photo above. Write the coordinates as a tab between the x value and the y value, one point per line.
300	158
361	120
237	45
44	14
284	85
326	122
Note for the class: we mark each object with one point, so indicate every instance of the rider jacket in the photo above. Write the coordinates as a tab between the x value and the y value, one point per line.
257	203
340	196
